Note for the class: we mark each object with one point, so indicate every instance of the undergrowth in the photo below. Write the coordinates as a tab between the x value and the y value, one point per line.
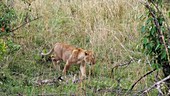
108	27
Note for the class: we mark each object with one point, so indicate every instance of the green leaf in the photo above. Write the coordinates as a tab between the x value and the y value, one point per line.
163	55
157	47
155	65
143	29
149	48
161	20
149	20
159	2
141	16
145	41
153	31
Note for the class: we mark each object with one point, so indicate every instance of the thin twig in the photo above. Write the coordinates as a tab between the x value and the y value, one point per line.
122	64
141	78
116	66
156	84
158	87
24	24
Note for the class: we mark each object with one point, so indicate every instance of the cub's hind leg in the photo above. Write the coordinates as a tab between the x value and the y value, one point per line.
56	61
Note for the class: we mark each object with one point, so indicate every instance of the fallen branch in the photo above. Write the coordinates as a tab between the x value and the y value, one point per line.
141	78
56	80
24	24
156	84
48	81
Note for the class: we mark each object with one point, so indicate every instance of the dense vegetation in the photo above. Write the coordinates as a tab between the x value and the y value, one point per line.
111	28
156	38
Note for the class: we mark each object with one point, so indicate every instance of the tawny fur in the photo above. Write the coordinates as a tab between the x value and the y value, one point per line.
70	55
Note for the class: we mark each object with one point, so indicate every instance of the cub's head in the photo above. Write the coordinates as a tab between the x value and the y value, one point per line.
89	58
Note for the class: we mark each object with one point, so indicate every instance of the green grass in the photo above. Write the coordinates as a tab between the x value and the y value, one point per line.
108	27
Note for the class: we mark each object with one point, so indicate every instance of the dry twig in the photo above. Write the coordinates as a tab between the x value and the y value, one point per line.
25	24
122	64
141	78
156	84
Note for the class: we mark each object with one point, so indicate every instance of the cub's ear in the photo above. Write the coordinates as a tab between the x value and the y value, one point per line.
86	53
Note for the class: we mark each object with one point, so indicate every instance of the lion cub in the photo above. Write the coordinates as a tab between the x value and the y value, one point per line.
71	55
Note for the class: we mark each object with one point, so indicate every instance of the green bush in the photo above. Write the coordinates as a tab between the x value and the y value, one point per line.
6	16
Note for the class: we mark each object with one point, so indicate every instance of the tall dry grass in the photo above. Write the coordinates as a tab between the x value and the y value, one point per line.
108	27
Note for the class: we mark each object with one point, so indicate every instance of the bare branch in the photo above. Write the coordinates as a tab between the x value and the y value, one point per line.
141	78
24	24
156	84
158	87
122	64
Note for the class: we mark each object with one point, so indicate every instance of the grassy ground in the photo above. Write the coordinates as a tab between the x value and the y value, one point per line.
108	27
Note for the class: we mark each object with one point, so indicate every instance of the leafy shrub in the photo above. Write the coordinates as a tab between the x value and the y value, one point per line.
155	35
156	38
7	15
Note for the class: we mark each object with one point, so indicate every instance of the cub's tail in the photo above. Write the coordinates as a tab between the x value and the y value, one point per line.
48	53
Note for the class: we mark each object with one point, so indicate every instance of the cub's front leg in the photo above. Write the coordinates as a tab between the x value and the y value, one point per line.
72	59
83	70
66	67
